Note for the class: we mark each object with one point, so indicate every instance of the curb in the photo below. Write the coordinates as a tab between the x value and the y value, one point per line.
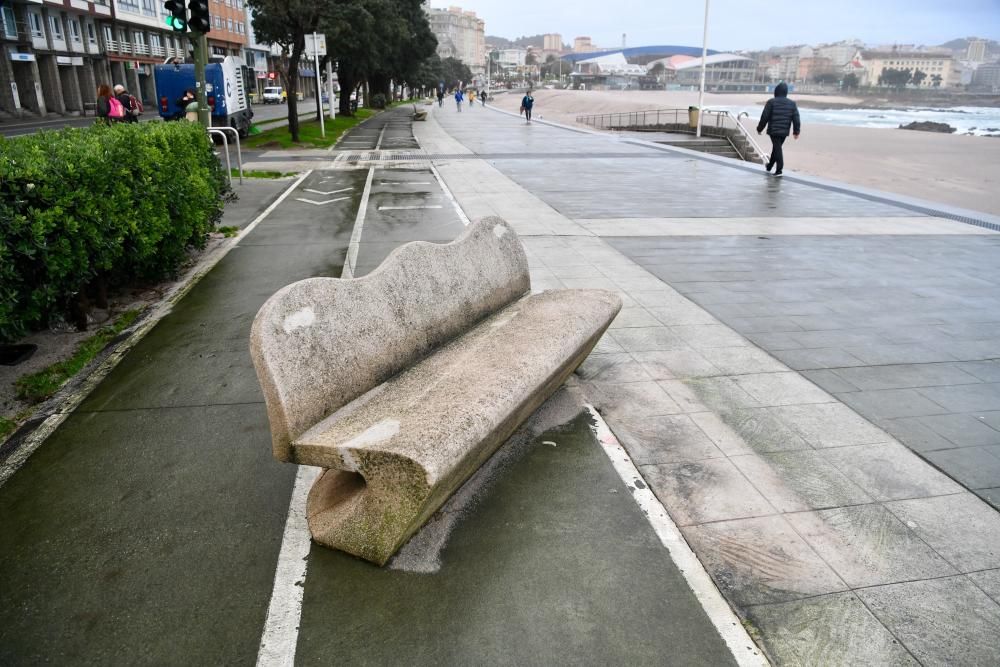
22	443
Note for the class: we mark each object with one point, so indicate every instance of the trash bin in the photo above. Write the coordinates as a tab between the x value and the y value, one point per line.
693	116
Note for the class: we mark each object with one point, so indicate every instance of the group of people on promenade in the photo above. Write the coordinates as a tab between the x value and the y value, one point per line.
527	102
117	105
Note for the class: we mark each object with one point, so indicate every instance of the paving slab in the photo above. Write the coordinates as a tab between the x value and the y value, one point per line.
703	491
832	629
941	621
800	480
890	471
974	467
866	545
963	529
988	582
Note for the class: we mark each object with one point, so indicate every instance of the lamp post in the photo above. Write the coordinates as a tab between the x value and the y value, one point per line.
704	54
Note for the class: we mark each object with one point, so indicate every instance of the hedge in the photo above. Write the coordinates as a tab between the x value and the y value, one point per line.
103	205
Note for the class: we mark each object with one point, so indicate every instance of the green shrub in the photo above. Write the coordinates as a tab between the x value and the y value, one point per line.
378	101
112	205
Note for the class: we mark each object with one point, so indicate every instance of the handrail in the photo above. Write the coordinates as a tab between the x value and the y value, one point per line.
718	121
225	142
239	153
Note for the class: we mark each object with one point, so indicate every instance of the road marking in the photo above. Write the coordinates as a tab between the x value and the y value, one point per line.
378	144
281	629
408	208
359	223
454	202
716	608
331	192
320	203
404	182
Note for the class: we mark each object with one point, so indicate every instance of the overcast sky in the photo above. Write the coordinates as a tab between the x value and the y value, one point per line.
735	24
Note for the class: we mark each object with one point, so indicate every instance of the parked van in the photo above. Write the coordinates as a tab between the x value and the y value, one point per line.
273	95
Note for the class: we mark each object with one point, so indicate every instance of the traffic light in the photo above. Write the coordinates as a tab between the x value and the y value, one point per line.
200	21
178	15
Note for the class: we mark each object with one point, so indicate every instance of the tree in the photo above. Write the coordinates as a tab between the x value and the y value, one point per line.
918	77
936	80
895	78
286	24
850	82
826	77
454	72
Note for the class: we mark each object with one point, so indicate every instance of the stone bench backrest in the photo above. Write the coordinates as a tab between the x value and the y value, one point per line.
320	343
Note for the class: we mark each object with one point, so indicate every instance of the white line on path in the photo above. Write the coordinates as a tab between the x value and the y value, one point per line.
321	203
718	611
408	208
281	629
378	144
359	223
331	192
454	202
404	182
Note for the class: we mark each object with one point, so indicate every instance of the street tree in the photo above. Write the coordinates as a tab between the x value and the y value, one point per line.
850	82
454	72
918	77
286	23
936	80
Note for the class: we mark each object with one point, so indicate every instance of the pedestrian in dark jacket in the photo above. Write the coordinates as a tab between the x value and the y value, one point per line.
527	102
780	116
103	109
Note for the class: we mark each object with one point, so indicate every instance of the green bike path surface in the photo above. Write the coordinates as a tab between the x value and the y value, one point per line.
147	528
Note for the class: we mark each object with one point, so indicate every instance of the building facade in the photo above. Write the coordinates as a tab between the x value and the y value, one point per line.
977	51
53	55
460	34
583	45
552	42
940	69
229	28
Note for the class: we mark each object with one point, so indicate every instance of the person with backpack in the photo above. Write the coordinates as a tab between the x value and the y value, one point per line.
780	116
459	98
133	107
109	107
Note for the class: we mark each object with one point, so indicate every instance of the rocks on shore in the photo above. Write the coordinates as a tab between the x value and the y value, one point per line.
928	126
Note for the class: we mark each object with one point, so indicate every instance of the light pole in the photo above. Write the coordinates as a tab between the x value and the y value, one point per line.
704	54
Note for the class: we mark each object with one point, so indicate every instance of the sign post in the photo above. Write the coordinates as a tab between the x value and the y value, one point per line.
317	45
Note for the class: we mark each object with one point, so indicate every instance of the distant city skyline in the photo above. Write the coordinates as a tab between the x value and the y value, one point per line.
735	24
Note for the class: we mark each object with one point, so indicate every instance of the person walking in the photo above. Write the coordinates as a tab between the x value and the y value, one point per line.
482	97
527	102
472	98
440	97
129	103
458	99
109	108
780	116
188	99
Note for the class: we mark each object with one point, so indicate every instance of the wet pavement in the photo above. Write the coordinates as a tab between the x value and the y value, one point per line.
148	527
801	492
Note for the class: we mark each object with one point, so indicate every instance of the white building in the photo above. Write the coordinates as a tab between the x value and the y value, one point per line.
460	34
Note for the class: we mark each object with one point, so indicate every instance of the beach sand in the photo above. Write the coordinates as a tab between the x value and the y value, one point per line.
958	170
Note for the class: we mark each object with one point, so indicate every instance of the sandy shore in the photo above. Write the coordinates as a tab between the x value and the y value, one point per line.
957	170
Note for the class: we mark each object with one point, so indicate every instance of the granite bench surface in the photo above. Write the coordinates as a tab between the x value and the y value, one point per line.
403	382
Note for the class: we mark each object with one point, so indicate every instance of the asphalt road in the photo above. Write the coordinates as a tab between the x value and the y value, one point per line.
262	112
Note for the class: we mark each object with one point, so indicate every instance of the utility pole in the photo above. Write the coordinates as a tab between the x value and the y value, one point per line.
200	43
704	55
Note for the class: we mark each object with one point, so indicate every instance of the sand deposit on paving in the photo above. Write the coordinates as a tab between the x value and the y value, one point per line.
956	170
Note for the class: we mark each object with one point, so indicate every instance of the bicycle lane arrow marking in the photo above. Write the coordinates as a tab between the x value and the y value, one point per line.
331	192
320	203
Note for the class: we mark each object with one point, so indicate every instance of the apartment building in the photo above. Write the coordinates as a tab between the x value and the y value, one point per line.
228	36
940	69
583	45
460	34
51	55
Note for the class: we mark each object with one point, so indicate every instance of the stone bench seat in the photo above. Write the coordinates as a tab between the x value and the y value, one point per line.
470	356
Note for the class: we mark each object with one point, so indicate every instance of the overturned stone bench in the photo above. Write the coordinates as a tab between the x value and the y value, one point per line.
403	382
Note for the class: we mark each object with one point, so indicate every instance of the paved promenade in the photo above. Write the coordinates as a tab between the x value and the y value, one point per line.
800	375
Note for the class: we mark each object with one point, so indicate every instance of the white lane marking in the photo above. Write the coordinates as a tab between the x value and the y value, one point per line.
716	608
408	208
331	192
404	182
454	202
378	144
359	223
321	203
281	629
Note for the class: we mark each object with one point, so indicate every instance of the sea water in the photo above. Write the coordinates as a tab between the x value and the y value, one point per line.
965	120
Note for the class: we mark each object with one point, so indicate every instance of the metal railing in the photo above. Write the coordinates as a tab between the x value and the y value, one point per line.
221	131
714	123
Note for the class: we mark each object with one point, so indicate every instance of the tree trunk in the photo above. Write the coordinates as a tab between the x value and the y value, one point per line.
293	87
345	76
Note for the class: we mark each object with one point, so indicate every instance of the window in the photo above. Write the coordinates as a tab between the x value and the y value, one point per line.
149	7
218	22
91	34
9	26
109	35
154	40
123	36
55	23
138	38
129	5
230	25
74	31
